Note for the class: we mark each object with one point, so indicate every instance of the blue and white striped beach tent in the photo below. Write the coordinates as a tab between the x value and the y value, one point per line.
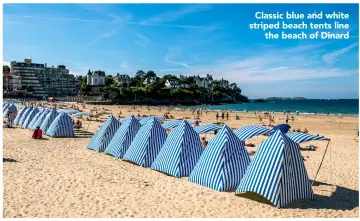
61	127
33	121
13	109
145	120
24	116
299	137
50	117
223	162
5	107
40	119
206	128
123	137
79	114
247	132
29	118
103	136
180	152
146	144
277	172
21	113
173	124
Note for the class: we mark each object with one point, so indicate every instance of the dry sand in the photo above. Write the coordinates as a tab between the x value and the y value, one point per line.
59	177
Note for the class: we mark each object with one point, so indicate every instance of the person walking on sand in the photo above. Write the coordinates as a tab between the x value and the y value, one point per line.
217	116
222	115
227	115
260	119
292	119
287	119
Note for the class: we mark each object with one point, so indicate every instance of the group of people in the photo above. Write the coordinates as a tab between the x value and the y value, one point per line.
77	124
222	115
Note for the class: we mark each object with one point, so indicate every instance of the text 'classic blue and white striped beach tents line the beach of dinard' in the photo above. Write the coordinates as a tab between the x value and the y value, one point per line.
146	144
277	172
103	136
223	162
180	152
61	127
123	138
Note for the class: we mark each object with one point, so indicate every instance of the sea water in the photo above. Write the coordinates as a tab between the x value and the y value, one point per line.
309	106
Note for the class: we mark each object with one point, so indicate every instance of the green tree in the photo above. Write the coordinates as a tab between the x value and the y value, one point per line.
109	80
150	73
140	73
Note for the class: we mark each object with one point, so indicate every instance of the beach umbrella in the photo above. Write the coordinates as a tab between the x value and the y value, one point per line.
146	144
284	128
123	137
103	136
61	127
21	113
40	119
24	116
145	120
29	118
223	162
33	121
299	137
50	117
277	172
247	132
206	128
180	152
173	124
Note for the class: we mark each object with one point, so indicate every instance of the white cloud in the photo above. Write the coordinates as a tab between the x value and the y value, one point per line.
330	58
175	15
270	66
6	63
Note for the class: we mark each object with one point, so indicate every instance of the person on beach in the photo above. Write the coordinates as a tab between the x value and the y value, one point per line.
237	117
306	131
203	142
217	116
37	133
222	115
292	119
287	119
227	115
260	119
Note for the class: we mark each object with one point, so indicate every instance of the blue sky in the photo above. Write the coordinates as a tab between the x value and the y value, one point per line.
187	39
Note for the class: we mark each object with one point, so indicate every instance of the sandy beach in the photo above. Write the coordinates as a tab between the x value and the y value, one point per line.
60	177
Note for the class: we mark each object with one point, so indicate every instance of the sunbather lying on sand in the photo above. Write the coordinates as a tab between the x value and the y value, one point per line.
310	147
